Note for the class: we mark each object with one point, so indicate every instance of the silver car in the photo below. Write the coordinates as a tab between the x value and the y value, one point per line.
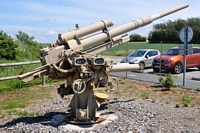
143	57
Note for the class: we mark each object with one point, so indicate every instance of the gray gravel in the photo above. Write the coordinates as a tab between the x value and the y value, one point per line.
134	116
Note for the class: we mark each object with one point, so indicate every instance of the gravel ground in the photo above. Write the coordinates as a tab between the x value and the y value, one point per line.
134	116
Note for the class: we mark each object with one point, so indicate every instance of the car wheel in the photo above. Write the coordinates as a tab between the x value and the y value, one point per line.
199	67
156	70
178	68
141	65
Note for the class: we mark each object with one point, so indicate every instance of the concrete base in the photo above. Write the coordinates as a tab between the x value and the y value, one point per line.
109	117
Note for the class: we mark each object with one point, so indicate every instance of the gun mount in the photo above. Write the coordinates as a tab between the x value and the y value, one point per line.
75	59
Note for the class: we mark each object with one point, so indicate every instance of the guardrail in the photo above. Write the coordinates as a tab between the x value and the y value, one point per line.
19	64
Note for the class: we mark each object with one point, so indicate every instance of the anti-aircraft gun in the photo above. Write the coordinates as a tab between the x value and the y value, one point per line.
75	58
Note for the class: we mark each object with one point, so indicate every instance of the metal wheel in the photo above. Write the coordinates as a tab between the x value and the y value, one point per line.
78	86
141	65
113	83
178	68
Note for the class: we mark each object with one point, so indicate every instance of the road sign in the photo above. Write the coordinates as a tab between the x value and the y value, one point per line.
185	36
182	34
188	49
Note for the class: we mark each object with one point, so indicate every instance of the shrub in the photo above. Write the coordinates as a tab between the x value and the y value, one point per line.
7	46
167	82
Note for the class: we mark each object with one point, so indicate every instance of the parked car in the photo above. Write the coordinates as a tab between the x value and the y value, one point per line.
143	57
172	61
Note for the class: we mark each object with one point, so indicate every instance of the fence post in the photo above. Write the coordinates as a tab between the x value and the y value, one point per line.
43	80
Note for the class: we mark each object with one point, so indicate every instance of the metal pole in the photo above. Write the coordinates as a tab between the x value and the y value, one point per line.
19	63
185	53
43	80
126	55
160	56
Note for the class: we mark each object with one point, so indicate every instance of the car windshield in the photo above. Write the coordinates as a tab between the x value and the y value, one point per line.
137	53
171	52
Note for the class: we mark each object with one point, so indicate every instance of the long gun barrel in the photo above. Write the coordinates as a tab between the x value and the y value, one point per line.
128	27
84	31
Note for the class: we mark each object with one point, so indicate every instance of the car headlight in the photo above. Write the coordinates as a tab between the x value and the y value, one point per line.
169	60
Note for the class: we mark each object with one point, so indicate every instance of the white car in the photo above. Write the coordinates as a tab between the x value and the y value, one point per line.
143	57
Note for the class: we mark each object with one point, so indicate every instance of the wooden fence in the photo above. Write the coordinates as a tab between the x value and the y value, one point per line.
19	64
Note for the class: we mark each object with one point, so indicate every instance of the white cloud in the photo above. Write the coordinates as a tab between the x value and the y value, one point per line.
52	33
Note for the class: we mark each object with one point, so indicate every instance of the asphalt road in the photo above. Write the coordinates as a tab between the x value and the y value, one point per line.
192	75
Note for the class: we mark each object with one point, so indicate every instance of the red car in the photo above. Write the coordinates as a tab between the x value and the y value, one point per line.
173	61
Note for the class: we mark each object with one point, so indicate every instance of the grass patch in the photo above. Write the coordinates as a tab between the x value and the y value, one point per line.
122	82
186	100
145	95
132	46
21	98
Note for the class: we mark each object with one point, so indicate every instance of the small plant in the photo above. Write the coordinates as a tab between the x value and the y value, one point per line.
198	89
145	95
177	105
122	82
186	100
185	104
167	102
153	100
167	82
132	91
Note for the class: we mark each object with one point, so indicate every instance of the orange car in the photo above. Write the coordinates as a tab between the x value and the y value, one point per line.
172	61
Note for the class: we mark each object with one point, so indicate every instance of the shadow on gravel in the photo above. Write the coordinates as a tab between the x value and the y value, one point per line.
105	105
44	120
159	87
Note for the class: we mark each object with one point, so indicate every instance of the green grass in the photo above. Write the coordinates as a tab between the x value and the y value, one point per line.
186	100
18	99
121	49
145	95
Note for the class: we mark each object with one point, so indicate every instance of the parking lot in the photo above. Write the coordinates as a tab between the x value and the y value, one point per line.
191	73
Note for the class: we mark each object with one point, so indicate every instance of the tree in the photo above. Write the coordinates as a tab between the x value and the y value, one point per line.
7	46
168	32
25	38
137	38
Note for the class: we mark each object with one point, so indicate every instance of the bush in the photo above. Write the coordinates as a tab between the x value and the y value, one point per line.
7	47
167	82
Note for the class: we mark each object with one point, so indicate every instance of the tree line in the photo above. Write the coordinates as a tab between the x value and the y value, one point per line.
169	31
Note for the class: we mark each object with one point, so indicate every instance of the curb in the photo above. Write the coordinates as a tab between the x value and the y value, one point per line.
193	78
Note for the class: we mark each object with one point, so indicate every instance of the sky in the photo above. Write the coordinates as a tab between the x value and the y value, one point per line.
45	19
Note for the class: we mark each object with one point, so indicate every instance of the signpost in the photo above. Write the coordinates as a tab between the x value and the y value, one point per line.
185	36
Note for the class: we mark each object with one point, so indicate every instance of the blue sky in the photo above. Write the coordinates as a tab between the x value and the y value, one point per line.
45	19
